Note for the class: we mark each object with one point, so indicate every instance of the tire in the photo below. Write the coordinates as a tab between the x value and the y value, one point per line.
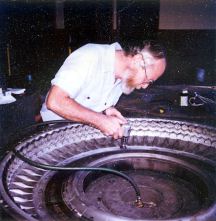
23	188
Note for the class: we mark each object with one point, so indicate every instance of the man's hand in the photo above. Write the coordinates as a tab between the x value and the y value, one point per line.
111	111
111	124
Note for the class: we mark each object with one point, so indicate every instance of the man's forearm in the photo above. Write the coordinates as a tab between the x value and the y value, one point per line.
59	102
71	110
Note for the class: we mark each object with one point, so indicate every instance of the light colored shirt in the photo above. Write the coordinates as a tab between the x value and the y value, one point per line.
87	75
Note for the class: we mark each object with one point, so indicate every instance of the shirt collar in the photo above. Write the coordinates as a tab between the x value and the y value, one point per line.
110	58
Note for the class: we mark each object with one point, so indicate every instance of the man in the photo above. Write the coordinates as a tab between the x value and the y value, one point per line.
92	79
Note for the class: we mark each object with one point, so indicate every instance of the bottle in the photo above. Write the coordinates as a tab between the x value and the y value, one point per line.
200	75
29	84
29	77
184	98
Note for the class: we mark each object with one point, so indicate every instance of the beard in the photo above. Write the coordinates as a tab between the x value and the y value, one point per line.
127	84
126	89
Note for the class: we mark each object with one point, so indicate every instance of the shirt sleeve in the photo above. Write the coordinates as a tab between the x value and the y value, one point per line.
76	70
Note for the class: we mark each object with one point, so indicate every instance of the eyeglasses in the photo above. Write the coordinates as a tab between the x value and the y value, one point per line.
148	81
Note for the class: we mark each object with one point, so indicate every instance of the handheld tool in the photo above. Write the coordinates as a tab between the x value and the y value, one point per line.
126	134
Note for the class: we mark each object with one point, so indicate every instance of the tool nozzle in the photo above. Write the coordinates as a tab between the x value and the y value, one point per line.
127	129
126	134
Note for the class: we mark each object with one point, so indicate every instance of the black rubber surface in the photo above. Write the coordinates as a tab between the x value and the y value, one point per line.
30	193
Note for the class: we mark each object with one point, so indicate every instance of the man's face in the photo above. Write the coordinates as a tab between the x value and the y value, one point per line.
142	73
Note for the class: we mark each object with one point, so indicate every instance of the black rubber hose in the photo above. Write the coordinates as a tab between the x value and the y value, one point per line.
59	168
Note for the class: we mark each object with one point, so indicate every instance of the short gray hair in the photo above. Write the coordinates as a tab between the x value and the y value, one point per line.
151	46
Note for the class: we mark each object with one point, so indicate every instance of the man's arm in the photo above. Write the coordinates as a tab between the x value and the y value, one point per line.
59	102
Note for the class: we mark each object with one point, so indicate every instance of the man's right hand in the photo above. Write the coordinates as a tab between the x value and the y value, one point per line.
111	126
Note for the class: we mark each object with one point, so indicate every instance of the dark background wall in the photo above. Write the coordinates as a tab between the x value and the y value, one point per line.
28	32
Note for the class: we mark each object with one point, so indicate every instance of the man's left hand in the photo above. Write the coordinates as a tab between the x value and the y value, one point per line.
111	111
